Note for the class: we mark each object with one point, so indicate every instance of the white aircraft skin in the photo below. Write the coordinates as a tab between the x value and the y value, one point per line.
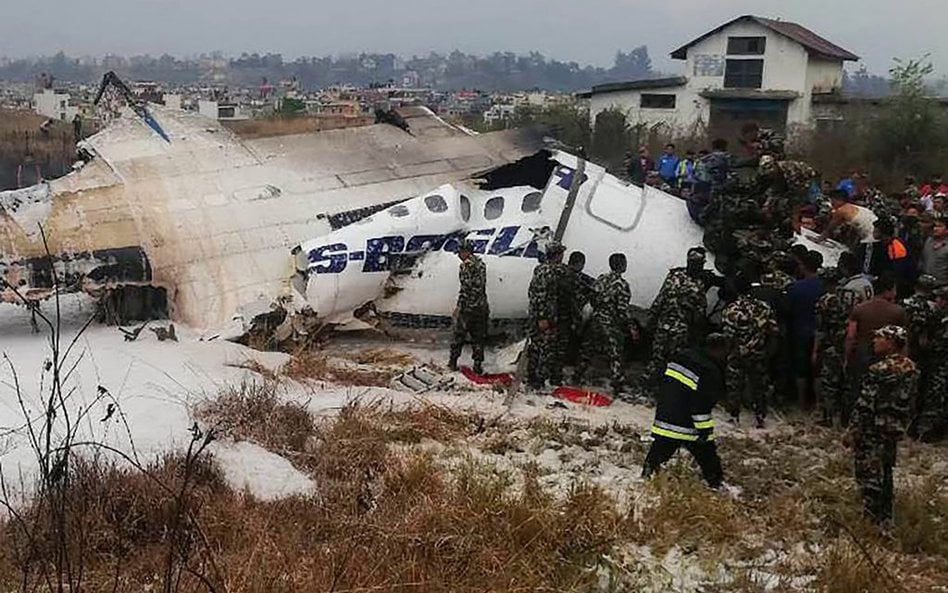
651	227
351	267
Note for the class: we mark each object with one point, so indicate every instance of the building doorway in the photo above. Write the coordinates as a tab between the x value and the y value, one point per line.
728	116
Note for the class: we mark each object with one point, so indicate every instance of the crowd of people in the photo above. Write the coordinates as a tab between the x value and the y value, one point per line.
864	342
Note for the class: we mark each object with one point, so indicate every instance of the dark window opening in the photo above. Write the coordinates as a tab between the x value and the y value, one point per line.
465	208
436	204
531	202
494	208
655	101
746	46
744	74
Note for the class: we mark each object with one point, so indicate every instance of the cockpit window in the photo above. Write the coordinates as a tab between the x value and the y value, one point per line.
399	211
494	208
436	203
531	202
465	208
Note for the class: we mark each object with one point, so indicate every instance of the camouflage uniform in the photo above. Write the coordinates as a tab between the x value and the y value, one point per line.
935	411
832	319
575	293
473	311
750	324
877	201
610	323
880	418
788	189
676	315
923	319
545	295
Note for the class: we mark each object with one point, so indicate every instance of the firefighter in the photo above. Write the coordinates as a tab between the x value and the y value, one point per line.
691	385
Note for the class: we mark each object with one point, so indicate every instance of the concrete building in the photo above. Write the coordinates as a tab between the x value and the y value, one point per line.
222	111
749	69
54	105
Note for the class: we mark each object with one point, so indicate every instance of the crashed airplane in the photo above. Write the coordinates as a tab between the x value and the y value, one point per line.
335	221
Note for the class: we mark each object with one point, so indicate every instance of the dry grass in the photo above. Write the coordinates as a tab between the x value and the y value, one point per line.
254	411
316	366
382	521
382	356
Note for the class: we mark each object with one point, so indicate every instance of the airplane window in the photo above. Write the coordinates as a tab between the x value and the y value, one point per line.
531	202
436	203
465	208
494	208
399	211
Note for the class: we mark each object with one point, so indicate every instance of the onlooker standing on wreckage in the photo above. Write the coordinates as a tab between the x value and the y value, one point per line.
472	314
751	326
668	165
611	323
691	385
545	301
880	418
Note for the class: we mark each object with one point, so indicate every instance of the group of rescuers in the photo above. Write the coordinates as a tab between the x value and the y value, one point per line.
687	374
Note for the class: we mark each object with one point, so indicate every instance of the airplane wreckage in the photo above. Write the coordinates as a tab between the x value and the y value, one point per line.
329	224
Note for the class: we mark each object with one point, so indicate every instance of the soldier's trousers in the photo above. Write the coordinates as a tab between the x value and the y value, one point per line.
834	394
704	452
874	460
605	340
666	343
933	398
470	328
545	357
748	383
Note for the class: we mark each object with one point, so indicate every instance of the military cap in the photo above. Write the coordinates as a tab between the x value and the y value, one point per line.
893	332
697	254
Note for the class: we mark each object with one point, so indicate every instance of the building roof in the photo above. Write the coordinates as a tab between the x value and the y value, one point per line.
635	85
811	41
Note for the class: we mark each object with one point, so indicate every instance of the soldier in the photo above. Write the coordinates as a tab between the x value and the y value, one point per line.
751	326
611	322
880	419
787	184
677	316
937	389
577	292
546	296
832	318
922	320
472	312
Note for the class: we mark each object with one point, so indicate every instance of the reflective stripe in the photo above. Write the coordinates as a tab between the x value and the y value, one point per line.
704	425
671	434
684	371
700	417
681	378
675	427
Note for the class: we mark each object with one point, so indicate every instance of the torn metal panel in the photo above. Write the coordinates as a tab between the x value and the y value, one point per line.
215	216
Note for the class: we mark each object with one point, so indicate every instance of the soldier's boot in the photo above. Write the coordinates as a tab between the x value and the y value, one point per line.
478	357
453	359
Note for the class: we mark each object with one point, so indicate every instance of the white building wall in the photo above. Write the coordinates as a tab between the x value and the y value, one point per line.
54	105
824	76
687	117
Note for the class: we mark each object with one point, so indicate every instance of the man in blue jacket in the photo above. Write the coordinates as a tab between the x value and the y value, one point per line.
668	165
691	386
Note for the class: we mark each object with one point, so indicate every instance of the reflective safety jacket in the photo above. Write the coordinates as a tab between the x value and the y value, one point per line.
690	388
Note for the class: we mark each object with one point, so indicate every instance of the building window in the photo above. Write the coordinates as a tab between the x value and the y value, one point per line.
494	208
655	101
746	46
744	74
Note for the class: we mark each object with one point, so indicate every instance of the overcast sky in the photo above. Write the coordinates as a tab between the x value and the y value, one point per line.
588	31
